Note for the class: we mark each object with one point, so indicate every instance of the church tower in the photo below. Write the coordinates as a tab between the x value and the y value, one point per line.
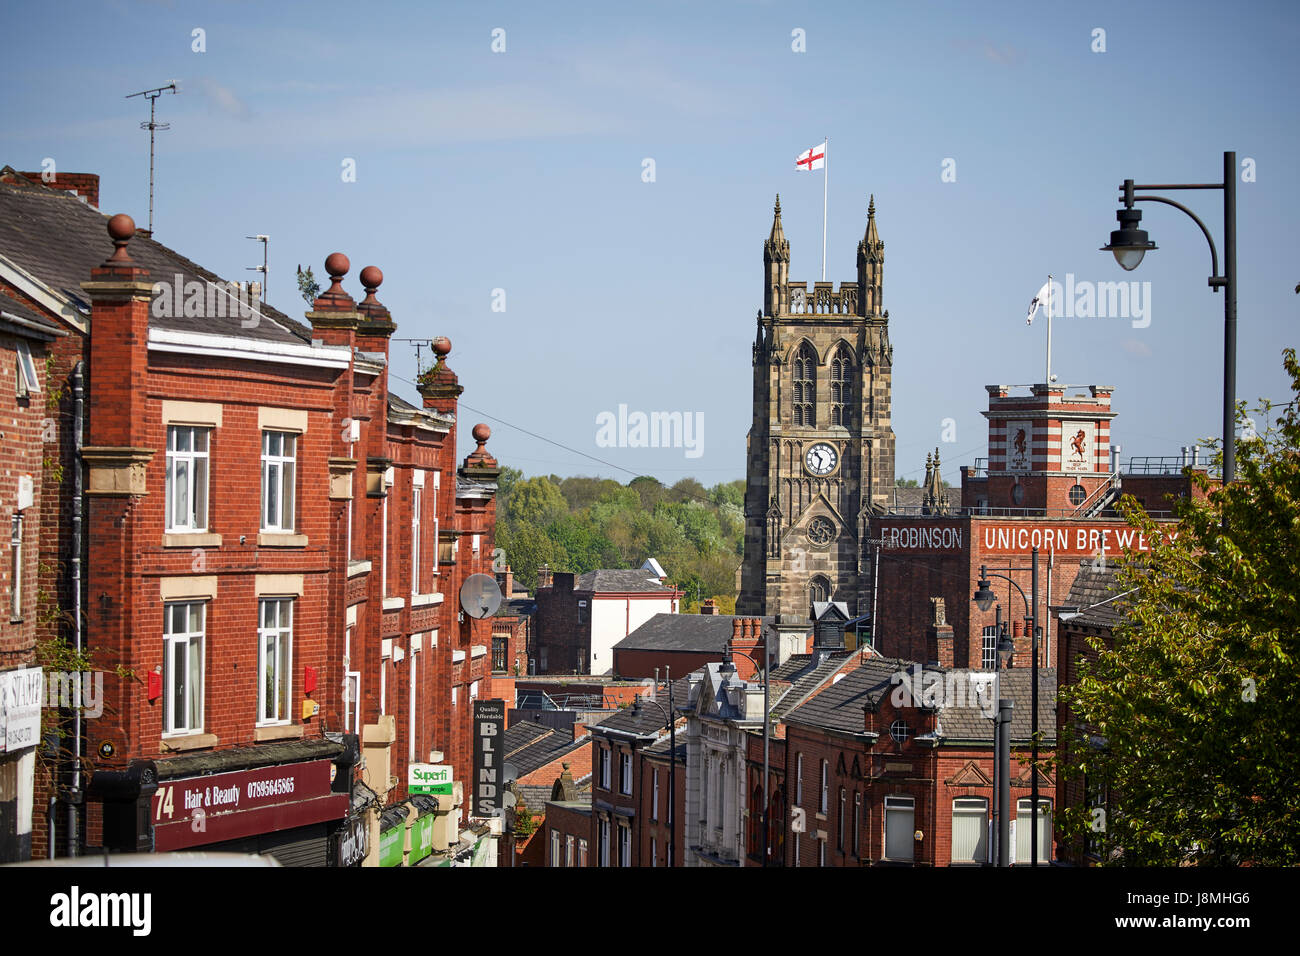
820	452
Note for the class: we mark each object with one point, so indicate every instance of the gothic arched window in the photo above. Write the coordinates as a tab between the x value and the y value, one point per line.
819	589
805	386
842	368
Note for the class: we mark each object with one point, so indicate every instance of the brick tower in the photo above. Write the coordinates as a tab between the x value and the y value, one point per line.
821	449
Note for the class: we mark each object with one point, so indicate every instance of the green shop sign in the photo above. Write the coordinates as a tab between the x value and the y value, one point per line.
429	778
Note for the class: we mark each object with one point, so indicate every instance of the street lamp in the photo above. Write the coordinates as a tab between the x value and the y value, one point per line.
671	724
984	598
1129	244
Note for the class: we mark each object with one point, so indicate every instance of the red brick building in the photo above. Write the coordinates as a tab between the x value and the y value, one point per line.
25	341
884	775
1050	482
274	542
631	807
580	618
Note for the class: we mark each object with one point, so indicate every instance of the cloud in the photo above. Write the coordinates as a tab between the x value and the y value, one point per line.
222	98
1136	347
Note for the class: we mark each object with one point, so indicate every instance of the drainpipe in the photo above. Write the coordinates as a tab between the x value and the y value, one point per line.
78	411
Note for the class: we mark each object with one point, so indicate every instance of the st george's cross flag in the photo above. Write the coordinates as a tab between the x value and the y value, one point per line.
810	159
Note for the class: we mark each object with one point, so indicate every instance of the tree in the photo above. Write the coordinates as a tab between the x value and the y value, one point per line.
1196	704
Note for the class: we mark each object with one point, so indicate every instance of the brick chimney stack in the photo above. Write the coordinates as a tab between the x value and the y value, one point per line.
708	606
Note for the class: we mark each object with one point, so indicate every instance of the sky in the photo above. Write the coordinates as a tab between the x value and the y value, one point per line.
577	194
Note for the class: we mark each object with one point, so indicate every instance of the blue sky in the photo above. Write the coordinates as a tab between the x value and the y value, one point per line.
522	171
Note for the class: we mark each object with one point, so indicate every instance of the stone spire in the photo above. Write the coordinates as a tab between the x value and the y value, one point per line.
871	266
935	500
776	266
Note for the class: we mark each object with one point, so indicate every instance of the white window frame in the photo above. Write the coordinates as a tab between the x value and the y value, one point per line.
654	852
281	635
604	768
280	470
196	489
970	807
798	780
555	847
654	804
27	378
568	849
826	782
195	642
624	845
899	804
603	848
1045	825
437	484
383	533
417	505
582	851
624	772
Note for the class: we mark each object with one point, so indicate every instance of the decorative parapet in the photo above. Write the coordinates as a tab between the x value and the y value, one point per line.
113	471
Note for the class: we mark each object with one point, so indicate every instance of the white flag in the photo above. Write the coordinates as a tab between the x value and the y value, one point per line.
1037	300
810	159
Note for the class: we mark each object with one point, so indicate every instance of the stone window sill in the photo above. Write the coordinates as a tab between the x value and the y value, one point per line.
356	568
419	600
277	539
189	742
394	604
278	732
191	539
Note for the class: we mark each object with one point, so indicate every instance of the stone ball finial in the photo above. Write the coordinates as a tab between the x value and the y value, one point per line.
121	227
372	277
337	265
441	346
481	434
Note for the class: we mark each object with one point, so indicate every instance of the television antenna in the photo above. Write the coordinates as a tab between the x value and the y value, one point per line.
262	268
152	96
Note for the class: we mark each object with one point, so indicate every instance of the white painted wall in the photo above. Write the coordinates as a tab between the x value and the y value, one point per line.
613	619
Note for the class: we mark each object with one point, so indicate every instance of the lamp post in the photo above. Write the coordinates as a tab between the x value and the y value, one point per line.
984	598
671	724
1129	243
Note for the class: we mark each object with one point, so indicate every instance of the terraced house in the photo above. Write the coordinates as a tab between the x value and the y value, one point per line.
258	542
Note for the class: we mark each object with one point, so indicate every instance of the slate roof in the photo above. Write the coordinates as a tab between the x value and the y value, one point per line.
1091	586
616	579
650	720
696	633
529	745
53	236
840	706
27	321
805	685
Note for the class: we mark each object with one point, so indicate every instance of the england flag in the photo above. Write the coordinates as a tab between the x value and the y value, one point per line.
810	159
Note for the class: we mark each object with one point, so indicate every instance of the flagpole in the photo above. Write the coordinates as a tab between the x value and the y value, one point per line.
1049	330
826	178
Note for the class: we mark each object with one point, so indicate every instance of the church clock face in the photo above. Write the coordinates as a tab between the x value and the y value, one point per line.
821	459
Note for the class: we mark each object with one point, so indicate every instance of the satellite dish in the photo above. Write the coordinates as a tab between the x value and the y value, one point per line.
479	596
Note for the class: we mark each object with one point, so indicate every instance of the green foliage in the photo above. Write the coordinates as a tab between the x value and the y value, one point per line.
308	286
579	524
1197	705
525	821
906	483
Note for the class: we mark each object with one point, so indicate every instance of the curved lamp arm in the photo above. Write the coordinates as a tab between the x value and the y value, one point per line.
991	574
1216	280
